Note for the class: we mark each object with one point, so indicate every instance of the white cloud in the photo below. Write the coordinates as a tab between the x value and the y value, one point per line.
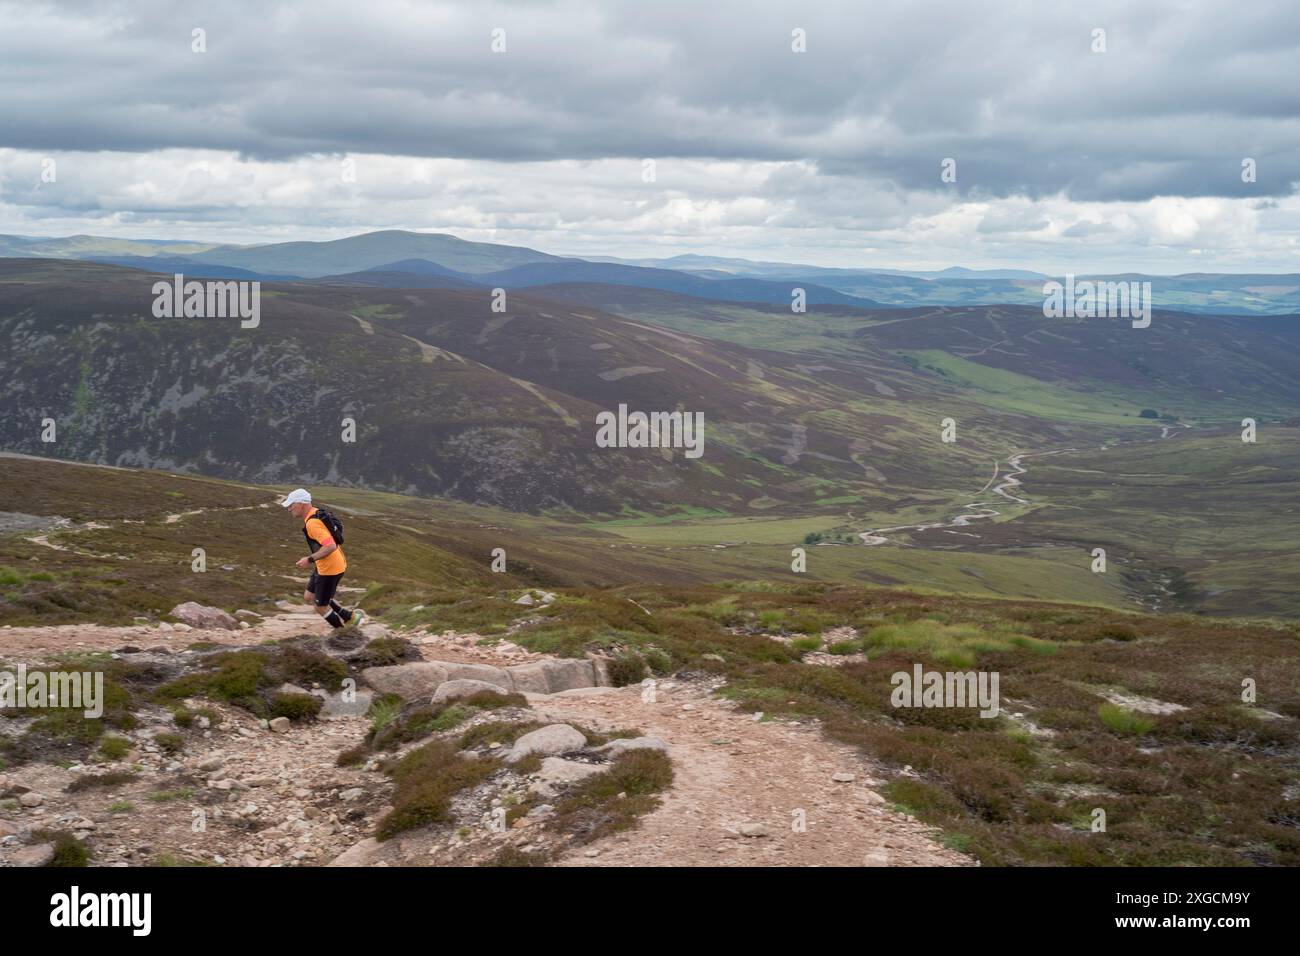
603	207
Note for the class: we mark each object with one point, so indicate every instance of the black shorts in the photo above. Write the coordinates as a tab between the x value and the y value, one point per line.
324	586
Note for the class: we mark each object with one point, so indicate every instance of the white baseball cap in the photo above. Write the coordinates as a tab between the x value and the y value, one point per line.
297	496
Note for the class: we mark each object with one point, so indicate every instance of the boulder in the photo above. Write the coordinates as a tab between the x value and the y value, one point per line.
557	772
549	740
335	706
279	725
552	676
600	665
620	746
204	618
361	854
408	681
480	672
462	687
42	854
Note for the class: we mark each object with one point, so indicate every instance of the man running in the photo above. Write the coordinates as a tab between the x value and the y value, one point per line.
326	559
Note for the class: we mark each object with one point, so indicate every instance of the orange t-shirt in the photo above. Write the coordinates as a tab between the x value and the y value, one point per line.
330	564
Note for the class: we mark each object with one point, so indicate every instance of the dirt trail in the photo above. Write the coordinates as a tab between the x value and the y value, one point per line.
66	638
732	771
733	774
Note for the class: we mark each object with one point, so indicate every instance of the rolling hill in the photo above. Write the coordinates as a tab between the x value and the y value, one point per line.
463	264
822	427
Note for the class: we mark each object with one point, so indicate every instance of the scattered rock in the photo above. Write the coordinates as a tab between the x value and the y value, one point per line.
552	676
32	799
461	688
335	706
557	772
279	725
362	854
480	672
843	777
616	748
42	854
204	618
551	739
600	664
408	681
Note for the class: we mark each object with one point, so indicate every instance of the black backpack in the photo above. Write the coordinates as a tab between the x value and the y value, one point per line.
331	523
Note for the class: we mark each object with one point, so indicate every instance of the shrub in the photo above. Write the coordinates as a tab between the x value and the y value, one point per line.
1124	721
1116	632
170	743
384	709
299	665
114	748
295	706
626	668
352	756
594	808
113	778
513	856
658	660
385	651
68	850
425	781
496	731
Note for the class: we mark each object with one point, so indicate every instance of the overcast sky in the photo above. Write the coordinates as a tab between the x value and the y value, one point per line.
1066	159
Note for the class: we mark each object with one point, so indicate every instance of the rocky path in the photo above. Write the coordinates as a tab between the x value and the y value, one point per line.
746	792
741	786
20	642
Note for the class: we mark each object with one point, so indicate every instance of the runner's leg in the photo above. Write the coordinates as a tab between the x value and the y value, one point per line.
326	585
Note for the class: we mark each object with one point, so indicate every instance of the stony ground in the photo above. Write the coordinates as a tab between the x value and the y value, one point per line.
746	791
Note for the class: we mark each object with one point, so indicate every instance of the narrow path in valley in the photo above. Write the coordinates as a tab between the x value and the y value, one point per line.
1006	488
1010	482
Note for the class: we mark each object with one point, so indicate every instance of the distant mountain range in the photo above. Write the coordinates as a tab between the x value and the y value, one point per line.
400	259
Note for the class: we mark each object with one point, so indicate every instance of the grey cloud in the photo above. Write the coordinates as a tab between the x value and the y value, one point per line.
1184	91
